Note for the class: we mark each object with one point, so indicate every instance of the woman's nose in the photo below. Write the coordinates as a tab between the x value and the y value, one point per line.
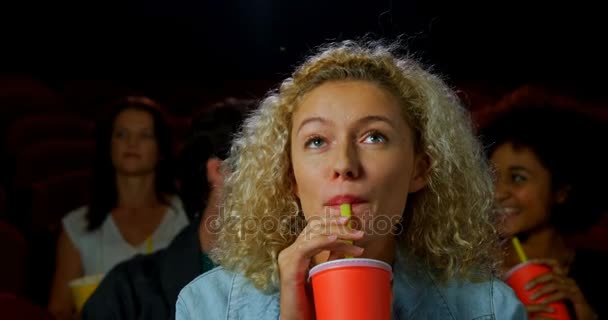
346	162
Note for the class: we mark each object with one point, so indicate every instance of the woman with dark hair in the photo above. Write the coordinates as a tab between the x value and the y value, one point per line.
134	208
545	191
146	286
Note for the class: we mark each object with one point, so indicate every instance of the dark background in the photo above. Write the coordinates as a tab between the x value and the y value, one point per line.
158	45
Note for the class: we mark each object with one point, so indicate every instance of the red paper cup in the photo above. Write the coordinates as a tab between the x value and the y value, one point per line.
353	289
520	275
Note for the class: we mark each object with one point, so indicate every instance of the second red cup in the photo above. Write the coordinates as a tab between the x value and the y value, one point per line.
520	275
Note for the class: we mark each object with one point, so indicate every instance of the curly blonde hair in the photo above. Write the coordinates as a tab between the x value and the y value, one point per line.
448	225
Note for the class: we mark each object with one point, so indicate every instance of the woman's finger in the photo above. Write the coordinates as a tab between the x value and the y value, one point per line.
547	288
332	225
536	308
557	296
541	318
340	250
316	243
546	277
312	246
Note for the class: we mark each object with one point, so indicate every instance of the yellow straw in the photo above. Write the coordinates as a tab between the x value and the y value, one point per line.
519	249
149	245
345	212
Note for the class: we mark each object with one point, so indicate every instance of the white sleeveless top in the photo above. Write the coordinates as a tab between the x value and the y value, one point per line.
102	249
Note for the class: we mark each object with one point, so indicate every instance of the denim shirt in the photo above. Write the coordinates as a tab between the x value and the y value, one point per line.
221	294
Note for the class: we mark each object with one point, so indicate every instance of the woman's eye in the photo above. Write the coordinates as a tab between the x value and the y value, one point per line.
374	137
518	178
315	142
120	134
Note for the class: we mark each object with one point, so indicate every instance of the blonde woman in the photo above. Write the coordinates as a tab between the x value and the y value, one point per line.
356	123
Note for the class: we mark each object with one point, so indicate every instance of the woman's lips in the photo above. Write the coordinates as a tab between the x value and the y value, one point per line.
344	198
508	211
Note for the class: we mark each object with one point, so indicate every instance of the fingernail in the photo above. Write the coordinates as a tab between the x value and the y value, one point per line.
528	287
533	296
359	233
332	237
343	219
360	250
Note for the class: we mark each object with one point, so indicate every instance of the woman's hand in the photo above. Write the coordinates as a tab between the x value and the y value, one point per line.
556	285
320	234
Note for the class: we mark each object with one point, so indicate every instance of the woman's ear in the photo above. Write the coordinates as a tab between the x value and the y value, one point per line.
214	172
420	174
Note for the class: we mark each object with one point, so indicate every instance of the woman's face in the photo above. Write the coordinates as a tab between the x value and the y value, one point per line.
134	147
351	144
523	189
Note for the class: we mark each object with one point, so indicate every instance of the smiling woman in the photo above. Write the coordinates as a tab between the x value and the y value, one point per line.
356	124
540	154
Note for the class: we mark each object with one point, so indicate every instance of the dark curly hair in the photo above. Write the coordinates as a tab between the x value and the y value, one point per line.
566	142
